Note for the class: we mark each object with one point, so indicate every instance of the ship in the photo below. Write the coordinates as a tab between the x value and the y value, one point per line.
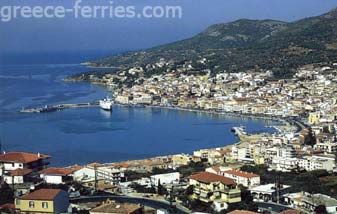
239	130
106	104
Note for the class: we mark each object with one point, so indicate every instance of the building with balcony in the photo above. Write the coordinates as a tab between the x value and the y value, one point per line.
20	165
111	175
246	179
216	189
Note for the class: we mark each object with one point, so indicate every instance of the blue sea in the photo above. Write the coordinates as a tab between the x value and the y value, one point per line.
84	135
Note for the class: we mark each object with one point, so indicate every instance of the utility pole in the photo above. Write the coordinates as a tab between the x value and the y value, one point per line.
278	188
171	199
95	168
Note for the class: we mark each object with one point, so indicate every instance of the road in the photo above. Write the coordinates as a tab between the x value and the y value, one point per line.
157	204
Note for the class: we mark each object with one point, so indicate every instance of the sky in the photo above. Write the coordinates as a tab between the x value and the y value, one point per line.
105	34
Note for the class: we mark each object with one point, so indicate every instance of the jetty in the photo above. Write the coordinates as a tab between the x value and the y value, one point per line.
58	107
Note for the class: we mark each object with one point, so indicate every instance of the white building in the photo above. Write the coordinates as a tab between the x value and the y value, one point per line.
286	152
326	147
308	163
18	176
317	162
244	178
269	192
84	174
17	166
241	154
57	175
165	179
144	99
111	175
311	201
284	164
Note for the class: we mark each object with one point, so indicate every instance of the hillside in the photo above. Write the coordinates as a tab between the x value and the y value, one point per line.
243	45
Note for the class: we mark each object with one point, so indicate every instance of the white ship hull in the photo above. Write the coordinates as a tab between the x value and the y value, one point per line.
106	104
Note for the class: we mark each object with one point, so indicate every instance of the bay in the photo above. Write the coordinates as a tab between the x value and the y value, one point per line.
84	135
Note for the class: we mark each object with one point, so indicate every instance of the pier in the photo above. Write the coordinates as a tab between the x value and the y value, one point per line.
58	107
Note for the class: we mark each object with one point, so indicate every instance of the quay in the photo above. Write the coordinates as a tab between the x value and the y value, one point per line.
46	109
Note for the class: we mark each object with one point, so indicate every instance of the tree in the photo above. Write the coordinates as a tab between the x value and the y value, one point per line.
320	209
161	189
189	190
7	195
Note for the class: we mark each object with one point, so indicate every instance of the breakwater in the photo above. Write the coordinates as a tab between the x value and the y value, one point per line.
58	107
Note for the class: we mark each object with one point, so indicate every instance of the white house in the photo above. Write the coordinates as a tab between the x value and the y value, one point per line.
284	164
57	175
165	179
244	178
269	192
84	174
18	176
316	162
111	175
17	166
308	202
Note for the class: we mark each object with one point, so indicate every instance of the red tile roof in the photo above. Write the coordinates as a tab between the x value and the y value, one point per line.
207	177
7	206
290	212
22	157
42	194
216	169
76	168
95	164
242	212
57	171
21	172
241	173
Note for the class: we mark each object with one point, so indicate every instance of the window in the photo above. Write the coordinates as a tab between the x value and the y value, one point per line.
17	202
31	204
45	205
13	164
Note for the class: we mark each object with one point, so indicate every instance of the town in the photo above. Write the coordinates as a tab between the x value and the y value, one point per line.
292	170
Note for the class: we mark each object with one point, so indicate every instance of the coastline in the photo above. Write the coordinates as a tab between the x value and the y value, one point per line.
284	121
232	114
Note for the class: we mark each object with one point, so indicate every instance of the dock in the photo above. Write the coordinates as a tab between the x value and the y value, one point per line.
58	107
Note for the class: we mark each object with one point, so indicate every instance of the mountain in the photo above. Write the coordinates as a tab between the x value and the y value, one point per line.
243	45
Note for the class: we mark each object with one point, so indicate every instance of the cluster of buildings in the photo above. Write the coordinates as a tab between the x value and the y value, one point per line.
310	91
306	140
28	174
307	100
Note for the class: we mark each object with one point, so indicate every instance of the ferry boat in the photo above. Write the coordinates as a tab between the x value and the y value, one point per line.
106	104
239	130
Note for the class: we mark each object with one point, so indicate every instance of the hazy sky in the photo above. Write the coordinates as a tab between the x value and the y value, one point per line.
69	34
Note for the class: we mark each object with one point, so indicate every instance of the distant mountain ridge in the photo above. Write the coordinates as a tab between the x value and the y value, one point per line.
243	45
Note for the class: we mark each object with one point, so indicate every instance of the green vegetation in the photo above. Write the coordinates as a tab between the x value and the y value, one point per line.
240	46
246	202
7	195
319	181
192	168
